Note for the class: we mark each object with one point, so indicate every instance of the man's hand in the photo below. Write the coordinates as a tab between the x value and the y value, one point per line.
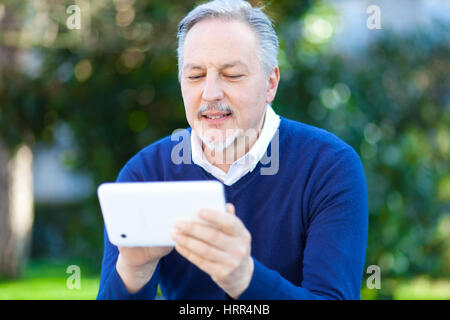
136	265
220	245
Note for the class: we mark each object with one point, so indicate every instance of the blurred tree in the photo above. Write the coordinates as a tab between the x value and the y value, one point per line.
16	193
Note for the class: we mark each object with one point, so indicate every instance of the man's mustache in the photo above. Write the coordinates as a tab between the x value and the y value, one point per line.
220	107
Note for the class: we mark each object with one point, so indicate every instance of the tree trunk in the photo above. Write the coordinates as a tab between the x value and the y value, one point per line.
16	209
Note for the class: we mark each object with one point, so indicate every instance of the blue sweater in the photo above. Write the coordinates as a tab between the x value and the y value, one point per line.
308	222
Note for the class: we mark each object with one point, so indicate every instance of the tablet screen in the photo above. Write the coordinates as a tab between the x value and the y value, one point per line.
144	213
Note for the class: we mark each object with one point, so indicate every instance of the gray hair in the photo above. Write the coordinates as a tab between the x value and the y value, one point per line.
241	10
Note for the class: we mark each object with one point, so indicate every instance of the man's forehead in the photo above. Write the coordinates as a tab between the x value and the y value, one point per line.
224	65
219	43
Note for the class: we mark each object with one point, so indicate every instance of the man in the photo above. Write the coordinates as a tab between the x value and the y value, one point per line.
295	229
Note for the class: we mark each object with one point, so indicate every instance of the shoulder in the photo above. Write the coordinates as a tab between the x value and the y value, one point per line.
313	141
330	168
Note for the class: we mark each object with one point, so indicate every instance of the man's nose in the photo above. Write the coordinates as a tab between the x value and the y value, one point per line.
212	90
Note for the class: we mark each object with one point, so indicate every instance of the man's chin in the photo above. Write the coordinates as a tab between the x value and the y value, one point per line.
218	146
217	139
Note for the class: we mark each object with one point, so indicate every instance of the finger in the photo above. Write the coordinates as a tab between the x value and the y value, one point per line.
205	232
224	221
199	247
201	262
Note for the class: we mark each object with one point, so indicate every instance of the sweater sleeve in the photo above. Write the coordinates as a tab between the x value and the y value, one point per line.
335	241
111	285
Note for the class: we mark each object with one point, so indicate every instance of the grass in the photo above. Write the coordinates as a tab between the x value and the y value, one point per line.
422	288
417	288
44	280
47	280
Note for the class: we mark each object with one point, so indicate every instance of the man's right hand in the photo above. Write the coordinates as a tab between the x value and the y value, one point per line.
136	265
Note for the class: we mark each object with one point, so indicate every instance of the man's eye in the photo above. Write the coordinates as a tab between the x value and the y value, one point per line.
234	76
194	77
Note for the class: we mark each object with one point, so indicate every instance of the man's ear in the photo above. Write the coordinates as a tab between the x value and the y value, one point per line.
272	84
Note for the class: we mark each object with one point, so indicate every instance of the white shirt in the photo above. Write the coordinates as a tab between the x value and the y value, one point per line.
247	162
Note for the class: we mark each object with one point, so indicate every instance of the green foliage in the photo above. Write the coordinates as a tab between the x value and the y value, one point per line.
69	231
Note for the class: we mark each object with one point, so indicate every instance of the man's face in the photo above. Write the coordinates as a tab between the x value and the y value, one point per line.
222	76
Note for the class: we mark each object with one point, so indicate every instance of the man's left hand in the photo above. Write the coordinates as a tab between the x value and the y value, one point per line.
219	245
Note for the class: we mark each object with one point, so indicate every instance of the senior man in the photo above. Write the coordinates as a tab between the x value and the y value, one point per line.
295	228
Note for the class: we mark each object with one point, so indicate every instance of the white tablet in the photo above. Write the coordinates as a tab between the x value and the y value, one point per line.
142	214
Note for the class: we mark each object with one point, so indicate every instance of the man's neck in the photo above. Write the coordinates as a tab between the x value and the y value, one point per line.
241	146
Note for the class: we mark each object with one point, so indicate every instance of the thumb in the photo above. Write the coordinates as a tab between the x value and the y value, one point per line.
230	208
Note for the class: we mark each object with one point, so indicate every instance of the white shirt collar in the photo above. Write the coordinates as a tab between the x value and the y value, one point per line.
247	162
